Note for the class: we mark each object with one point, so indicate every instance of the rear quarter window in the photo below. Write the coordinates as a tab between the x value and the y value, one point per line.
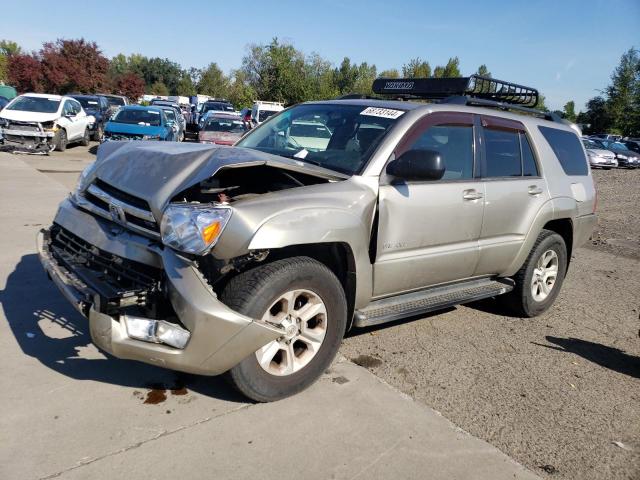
568	149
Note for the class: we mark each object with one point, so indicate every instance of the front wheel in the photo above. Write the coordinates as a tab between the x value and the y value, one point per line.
60	140
307	300
538	282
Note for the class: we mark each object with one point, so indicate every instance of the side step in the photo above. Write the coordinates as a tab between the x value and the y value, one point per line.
428	300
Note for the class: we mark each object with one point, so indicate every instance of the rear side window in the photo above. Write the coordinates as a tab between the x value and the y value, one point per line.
503	153
568	149
529	167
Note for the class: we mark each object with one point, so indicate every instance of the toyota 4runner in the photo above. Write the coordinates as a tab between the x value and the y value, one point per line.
256	259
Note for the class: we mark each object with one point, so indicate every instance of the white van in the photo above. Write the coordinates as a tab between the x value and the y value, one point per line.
263	110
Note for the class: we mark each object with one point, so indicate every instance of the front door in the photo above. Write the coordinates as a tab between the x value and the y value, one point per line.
428	230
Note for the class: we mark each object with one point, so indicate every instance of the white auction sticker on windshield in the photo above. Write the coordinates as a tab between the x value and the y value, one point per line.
381	112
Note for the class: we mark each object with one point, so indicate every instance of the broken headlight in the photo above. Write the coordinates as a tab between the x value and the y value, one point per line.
193	228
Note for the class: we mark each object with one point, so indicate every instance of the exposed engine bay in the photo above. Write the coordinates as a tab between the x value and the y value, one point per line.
234	184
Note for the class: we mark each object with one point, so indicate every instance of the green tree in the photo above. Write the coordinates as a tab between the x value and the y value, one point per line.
158	88
569	111
391	73
319	74
366	74
438	72
345	76
240	93
622	93
213	82
185	85
277	72
596	116
7	49
483	70
416	68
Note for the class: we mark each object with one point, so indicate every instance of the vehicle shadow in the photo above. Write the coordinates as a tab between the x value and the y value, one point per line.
608	357
356	331
32	303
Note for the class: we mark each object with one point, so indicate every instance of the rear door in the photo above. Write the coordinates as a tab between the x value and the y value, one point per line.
428	230
514	192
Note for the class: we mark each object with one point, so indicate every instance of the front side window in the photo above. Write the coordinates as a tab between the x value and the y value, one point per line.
68	108
502	149
343	136
454	143
34	104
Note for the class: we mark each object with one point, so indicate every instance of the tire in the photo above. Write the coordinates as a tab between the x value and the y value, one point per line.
260	293
86	138
606	168
99	133
61	140
521	300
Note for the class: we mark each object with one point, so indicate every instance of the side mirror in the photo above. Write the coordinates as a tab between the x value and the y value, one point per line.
417	165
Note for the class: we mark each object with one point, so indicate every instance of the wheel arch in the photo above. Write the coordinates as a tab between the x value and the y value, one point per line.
564	228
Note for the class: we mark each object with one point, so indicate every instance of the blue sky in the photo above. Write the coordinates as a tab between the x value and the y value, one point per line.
565	48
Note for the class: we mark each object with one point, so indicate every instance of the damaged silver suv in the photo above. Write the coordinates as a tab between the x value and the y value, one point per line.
256	259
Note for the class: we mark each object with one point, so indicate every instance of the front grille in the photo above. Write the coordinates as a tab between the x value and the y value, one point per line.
123	136
106	200
121	282
26	126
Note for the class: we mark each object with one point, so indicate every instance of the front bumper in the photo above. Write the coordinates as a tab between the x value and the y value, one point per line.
220	337
29	140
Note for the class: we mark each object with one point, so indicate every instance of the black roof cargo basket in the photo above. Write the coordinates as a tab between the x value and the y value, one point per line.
474	86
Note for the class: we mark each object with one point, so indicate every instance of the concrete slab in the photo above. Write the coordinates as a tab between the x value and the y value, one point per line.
69	411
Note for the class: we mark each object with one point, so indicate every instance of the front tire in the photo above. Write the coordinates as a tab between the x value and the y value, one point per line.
86	138
306	298
61	140
538	282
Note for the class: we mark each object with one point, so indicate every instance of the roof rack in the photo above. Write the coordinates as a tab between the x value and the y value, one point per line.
475	86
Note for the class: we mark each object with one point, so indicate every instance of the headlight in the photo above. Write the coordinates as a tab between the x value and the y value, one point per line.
623	157
193	228
4	122
83	179
151	137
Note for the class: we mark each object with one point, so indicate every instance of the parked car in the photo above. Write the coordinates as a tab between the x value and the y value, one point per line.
115	102
222	129
625	157
256	259
99	108
179	118
173	118
135	122
633	145
606	136
8	92
212	107
40	123
599	157
260	111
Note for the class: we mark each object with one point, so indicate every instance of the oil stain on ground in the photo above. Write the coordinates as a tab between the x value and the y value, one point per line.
157	392
367	361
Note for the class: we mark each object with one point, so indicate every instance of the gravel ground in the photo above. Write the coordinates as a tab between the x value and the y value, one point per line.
554	392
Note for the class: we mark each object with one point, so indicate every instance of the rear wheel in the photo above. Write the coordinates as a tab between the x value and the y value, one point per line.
307	300
99	133
539	280
60	140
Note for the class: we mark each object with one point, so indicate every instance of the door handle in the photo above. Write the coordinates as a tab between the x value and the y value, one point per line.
471	194
534	190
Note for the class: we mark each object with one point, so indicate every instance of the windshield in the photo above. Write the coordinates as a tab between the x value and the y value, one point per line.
264	114
35	104
616	146
224	125
115	101
149	118
333	136
88	103
222	107
589	144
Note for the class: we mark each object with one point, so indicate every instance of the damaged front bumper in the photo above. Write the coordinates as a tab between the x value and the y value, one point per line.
34	139
217	338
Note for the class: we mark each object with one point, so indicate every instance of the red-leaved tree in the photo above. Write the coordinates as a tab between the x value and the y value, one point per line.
25	73
130	85
73	66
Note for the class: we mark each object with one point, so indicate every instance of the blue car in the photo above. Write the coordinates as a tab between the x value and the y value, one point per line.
135	122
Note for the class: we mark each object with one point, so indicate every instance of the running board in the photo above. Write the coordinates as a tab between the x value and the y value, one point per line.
424	301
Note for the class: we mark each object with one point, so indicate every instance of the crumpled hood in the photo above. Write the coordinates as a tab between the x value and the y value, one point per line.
157	171
22	116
